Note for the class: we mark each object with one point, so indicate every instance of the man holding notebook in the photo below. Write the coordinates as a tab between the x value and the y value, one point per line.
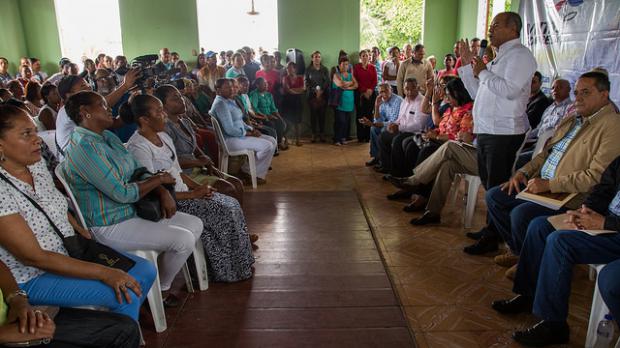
589	235
571	162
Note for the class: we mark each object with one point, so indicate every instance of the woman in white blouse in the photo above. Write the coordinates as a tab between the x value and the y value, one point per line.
30	247
225	236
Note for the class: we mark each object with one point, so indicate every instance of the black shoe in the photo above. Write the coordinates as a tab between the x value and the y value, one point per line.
398	195
398	182
427	218
483	246
381	170
372	162
515	305
171	301
544	333
411	207
476	235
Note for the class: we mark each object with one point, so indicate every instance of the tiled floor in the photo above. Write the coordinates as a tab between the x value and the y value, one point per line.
445	293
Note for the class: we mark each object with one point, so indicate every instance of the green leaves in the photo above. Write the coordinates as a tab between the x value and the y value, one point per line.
387	23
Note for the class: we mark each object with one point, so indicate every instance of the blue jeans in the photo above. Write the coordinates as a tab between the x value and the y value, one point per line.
609	286
545	267
511	216
375	136
56	290
342	119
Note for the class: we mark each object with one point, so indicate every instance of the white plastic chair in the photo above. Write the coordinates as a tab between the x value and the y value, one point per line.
154	296
49	137
598	311
225	153
473	185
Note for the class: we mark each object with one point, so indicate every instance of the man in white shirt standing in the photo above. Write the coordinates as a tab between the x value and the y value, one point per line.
413	117
501	89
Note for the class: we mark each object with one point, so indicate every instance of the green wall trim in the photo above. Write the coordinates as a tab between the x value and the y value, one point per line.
440	28
146	27
12	41
41	32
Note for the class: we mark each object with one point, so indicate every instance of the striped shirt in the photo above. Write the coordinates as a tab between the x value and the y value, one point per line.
557	151
98	169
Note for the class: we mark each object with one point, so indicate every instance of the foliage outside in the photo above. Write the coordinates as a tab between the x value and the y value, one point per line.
388	23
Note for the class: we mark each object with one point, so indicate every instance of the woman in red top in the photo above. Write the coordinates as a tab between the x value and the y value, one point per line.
294	89
449	62
268	73
365	95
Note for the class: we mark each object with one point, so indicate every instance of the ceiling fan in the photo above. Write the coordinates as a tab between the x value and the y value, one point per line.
253	12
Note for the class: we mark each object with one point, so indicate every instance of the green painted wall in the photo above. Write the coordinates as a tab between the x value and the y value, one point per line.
12	45
41	32
440	27
467	16
324	25
148	25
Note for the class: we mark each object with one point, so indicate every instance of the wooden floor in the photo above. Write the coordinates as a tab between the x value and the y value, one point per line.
320	281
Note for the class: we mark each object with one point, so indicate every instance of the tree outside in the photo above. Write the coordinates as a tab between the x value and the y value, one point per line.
388	23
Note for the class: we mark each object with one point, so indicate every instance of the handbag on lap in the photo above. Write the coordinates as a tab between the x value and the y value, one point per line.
82	248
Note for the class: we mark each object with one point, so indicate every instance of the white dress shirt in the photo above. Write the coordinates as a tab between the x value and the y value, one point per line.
64	129
502	91
410	116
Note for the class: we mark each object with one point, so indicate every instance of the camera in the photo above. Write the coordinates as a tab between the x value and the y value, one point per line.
150	76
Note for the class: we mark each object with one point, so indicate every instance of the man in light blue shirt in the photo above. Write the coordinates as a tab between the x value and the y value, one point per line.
387	107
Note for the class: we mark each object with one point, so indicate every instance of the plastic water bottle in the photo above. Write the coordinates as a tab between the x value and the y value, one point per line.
604	332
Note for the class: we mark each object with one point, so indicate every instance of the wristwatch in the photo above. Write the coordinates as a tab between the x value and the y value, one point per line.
14	294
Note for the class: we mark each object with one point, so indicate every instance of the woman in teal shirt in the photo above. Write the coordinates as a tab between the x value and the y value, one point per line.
344	80
99	170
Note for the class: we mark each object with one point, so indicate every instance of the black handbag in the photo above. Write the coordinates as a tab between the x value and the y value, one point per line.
335	93
82	248
149	206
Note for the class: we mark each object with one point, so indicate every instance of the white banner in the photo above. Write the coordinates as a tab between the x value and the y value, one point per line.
570	37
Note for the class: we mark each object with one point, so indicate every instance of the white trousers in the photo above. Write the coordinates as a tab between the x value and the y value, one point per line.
263	148
175	238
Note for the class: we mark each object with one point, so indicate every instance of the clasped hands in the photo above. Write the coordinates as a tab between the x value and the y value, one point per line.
585	218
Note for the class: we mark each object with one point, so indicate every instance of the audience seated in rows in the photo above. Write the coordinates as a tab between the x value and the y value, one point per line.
455	155
413	118
225	234
548	254
192	160
100	171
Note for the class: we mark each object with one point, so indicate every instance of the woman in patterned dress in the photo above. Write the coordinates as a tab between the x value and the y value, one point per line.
225	235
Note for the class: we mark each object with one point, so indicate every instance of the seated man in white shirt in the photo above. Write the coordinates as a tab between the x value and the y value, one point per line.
413	117
238	135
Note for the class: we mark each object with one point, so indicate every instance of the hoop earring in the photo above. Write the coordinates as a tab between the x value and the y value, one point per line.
87	116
